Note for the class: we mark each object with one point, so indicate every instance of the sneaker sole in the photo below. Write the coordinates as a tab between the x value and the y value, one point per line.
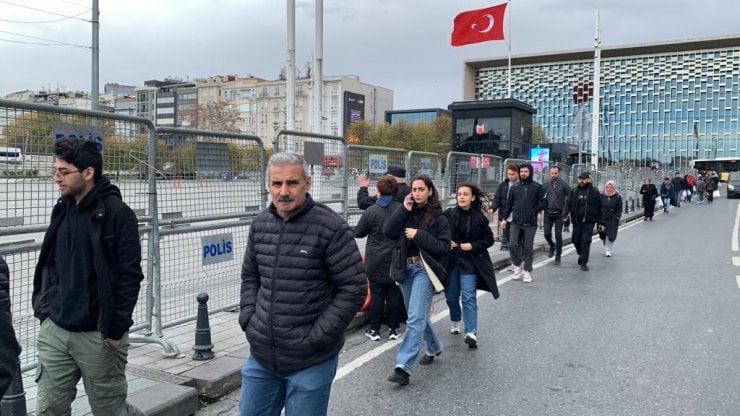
373	338
471	343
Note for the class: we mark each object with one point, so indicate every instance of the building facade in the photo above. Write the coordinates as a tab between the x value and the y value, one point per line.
667	102
415	115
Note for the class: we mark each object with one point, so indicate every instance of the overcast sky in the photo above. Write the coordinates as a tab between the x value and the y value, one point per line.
403	45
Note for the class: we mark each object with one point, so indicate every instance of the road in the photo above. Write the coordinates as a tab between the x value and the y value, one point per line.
653	330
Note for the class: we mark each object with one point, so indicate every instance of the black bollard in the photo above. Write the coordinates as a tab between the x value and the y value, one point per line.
633	205
203	347
14	400
627	207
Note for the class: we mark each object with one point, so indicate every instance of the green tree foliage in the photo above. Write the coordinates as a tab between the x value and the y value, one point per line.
538	135
422	136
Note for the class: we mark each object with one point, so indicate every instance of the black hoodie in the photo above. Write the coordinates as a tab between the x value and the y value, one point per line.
526	199
89	270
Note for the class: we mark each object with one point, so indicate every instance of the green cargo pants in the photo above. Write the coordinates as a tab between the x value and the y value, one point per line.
65	356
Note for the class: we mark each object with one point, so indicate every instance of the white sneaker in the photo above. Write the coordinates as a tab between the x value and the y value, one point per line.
517	273
455	328
471	340
608	253
527	277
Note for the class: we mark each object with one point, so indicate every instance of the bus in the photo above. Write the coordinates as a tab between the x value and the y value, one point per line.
11	155
721	165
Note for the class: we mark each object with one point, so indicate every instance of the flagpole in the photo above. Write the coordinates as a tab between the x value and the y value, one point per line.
597	96
509	42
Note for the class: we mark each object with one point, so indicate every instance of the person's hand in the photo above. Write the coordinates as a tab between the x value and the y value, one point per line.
410	233
113	342
602	228
502	223
408	202
363	181
539	217
453	244
466	246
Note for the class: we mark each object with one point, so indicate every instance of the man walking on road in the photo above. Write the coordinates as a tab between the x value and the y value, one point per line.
678	187
302	283
85	287
499	201
525	204
584	211
557	191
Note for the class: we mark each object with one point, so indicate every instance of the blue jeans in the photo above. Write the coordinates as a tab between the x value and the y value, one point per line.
302	392
417	294
462	284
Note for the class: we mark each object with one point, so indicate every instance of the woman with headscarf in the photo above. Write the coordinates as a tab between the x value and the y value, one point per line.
649	192
611	212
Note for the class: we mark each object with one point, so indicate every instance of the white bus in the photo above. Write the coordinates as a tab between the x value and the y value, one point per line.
11	155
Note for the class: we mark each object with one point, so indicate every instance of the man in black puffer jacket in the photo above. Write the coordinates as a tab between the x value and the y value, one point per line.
584	211
302	283
9	348
525	204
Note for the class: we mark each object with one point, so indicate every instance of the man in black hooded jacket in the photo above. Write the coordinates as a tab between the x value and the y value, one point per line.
85	287
527	199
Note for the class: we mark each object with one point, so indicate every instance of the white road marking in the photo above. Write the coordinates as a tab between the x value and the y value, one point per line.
380	349
738	281
735	230
736	261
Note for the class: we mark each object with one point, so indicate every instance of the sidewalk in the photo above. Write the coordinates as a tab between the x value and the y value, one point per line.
161	385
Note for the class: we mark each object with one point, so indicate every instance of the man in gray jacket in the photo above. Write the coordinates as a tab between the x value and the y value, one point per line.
302	283
557	191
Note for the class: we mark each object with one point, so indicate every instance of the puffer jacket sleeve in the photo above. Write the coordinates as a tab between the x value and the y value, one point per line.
250	283
347	274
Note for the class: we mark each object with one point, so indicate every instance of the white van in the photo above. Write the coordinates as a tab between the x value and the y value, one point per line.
11	155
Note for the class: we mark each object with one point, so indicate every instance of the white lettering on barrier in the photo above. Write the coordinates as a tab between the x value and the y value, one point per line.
217	248
378	163
425	166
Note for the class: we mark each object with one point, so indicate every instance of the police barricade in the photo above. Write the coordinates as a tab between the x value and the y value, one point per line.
583	167
326	157
30	194
426	163
565	172
372	162
461	167
210	185
491	173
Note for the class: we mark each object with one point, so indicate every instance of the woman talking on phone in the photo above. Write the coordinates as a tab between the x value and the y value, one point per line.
420	255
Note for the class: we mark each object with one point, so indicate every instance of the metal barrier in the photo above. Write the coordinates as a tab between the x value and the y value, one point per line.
209	187
327	153
426	163
31	194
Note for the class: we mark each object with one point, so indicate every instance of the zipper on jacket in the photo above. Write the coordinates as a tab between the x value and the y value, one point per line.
272	298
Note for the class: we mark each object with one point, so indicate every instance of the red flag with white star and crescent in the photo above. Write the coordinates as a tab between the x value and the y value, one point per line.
480	25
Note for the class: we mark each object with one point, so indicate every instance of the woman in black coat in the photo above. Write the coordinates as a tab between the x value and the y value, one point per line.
470	265
378	249
649	192
611	213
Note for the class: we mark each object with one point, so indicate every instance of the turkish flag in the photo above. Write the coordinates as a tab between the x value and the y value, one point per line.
479	25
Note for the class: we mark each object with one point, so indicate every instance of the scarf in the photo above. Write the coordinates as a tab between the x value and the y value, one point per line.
606	190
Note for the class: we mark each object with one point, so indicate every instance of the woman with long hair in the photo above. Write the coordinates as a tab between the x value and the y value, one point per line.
611	213
471	237
421	253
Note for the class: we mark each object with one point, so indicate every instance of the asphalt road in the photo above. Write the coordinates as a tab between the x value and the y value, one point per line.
653	330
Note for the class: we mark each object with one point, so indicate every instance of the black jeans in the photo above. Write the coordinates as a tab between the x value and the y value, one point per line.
522	248
556	220
380	295
582	234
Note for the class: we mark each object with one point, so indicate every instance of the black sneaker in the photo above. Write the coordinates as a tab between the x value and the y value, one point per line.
556	262
399	376
372	334
428	359
393	334
551	253
584	267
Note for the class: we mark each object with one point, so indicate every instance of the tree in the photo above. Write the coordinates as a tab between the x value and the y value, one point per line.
538	135
217	116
